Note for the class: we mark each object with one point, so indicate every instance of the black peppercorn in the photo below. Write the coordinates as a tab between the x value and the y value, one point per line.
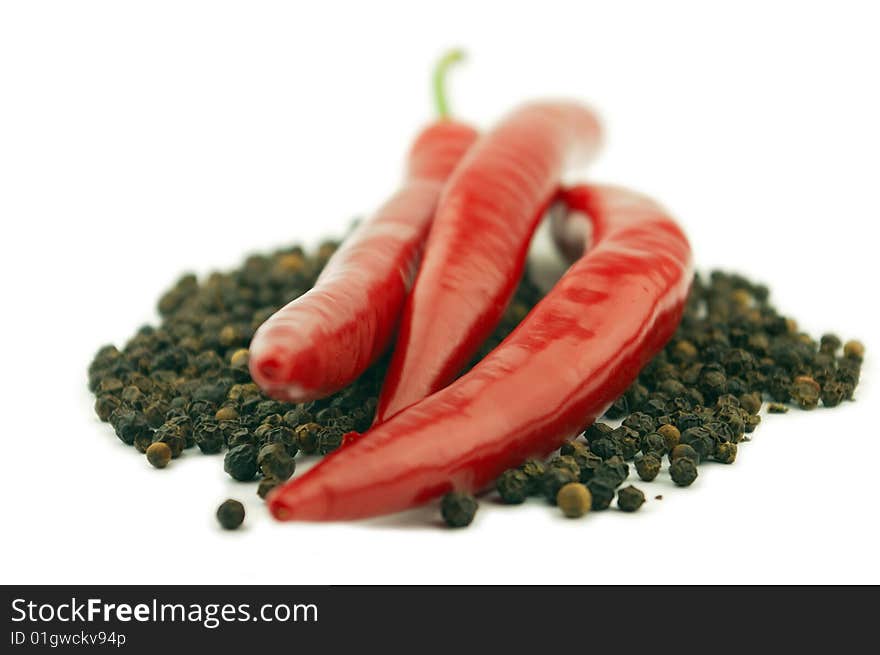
299	415
605	448
725	453
458	509
577	450
588	465
307	437
105	406
240	462
629	499
596	431
700	439
534	470
172	434
751	402
684	450
565	462
640	422
712	384
833	393
830	343
230	514
556	477
683	471
110	385
687	420
275	462
266	485
654	442
513	486
155	413
619	408
627	441
329	439
129	424
208	437
240	436
602	492
614	470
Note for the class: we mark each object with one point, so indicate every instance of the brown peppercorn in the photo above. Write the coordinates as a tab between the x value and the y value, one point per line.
291	263
648	466
725	452
685	351
228	335
854	350
741	297
240	358
159	454
574	499
805	392
226	413
671	435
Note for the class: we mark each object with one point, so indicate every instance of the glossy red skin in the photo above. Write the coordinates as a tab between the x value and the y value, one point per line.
326	338
569	359
478	243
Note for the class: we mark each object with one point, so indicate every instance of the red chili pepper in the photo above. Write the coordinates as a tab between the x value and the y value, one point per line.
323	340
478	243
570	358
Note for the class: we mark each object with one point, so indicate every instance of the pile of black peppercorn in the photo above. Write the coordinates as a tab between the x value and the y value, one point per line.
698	399
185	384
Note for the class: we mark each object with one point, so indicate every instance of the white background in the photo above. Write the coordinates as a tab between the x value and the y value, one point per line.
139	140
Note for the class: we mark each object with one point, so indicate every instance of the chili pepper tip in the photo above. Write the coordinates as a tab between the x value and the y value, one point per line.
285	506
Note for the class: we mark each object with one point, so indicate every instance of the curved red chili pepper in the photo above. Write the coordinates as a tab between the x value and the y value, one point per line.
478	243
323	340
570	358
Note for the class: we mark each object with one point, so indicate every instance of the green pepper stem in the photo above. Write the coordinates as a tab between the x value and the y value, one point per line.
450	58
